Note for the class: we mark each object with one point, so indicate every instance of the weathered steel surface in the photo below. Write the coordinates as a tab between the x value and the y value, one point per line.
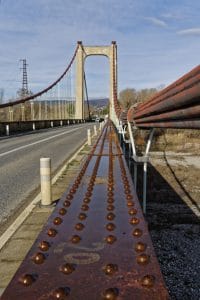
181	114
96	243
177	106
186	124
183	83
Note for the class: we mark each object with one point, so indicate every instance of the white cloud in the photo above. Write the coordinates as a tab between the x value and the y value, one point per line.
45	33
156	21
189	31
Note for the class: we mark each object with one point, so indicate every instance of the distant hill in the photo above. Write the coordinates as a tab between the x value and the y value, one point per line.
99	102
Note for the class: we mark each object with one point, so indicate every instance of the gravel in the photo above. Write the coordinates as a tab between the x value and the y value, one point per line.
173	201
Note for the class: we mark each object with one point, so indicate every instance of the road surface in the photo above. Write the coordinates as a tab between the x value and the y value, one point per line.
19	162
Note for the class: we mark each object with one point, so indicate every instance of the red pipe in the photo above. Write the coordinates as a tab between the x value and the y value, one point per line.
190	124
185	98
187	113
182	82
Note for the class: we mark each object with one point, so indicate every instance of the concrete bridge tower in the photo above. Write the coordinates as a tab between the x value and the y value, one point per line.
82	53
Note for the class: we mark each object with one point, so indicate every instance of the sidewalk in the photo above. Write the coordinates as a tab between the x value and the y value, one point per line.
16	248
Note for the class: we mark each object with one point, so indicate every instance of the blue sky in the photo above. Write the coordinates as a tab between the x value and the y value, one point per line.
158	41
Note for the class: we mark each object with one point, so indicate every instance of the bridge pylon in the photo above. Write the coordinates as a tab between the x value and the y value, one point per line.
82	53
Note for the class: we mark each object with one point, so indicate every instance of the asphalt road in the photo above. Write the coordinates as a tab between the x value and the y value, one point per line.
19	162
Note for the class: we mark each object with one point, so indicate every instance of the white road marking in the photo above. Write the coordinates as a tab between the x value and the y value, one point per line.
22	217
40	141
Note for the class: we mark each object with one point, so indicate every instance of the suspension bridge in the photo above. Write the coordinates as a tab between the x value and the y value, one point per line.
105	249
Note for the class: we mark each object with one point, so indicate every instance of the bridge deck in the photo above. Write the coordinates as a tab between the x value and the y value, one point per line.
96	243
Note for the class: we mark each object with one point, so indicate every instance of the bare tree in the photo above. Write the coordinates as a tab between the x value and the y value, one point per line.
131	96
127	97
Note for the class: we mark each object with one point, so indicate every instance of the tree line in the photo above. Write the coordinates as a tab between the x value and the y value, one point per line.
131	96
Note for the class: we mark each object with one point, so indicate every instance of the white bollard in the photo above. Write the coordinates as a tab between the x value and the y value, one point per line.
61	123
95	130
89	137
33	126
7	129
52	124
45	179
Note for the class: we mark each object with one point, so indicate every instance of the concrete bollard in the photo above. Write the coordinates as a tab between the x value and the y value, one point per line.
95	130
33	126
61	123
7	129
45	179
89	137
52	124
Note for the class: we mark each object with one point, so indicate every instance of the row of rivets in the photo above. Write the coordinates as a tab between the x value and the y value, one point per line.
143	258
110	269
87	198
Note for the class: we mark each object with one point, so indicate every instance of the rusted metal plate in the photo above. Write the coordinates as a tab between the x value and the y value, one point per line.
96	243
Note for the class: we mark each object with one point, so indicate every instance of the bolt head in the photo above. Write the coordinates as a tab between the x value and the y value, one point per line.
75	239
110	216
86	200
26	279
140	247
84	207
44	246
134	221
67	268
110	226
148	281
110	207
110	294
60	293
79	226
52	232
62	211
38	258
110	269
57	221
67	203
143	259
132	211
137	232
110	239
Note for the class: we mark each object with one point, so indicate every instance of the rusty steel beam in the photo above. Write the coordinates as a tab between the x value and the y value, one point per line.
186	81
181	114
96	243
177	106
186	124
185	98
